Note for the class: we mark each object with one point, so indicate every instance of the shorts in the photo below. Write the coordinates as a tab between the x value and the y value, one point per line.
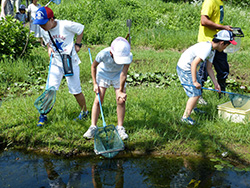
55	77
102	82
186	78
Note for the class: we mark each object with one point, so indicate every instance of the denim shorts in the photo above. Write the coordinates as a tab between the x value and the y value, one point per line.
186	78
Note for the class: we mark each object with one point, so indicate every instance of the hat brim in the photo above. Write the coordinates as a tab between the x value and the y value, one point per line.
233	42
40	22
123	60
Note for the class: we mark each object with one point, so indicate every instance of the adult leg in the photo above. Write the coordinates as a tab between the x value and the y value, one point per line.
18	2
202	73
222	68
222	83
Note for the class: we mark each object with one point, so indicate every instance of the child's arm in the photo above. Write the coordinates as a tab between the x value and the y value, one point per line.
194	65
123	78
78	41
211	75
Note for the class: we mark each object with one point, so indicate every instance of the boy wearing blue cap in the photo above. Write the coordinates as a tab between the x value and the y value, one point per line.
61	42
191	59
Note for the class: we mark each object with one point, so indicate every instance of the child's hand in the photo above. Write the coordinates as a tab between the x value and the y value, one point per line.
217	87
122	96
197	85
96	88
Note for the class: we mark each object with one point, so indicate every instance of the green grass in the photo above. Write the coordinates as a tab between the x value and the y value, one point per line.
152	117
152	113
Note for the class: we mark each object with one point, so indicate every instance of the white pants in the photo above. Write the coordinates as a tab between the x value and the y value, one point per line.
55	77
17	3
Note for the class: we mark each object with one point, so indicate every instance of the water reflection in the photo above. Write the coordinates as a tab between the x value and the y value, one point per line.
108	173
18	169
55	180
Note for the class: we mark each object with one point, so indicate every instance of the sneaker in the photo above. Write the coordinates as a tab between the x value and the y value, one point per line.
121	132
188	120
90	133
82	115
198	111
42	120
202	101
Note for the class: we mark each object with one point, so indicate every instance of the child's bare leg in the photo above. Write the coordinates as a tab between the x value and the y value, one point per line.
191	103
96	106
81	101
120	109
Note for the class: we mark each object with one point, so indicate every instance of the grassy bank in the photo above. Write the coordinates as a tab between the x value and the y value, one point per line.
152	118
160	33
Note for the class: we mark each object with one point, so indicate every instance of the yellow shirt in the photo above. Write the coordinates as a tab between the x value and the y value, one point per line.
214	10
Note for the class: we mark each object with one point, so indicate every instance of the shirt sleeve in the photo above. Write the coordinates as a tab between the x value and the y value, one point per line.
207	8
205	51
74	27
99	57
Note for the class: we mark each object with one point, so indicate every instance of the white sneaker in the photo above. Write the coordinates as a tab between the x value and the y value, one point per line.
202	101
90	133
121	132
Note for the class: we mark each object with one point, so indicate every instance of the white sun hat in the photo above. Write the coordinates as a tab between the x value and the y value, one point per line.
120	49
225	35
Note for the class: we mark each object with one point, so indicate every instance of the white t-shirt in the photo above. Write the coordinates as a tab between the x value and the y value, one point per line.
107	67
63	35
202	50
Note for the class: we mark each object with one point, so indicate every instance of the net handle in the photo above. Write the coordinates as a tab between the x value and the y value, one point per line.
210	89
98	95
103	121
47	84
54	1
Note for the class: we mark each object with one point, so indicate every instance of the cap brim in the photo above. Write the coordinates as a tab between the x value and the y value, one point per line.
40	22
123	60
233	42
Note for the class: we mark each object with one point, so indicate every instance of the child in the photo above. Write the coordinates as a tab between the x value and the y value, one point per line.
188	63
21	16
62	32
109	68
32	8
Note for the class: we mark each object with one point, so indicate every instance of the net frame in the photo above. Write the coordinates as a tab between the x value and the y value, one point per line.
45	102
107	141
237	100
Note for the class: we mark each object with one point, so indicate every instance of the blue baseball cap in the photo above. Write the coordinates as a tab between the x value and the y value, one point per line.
43	15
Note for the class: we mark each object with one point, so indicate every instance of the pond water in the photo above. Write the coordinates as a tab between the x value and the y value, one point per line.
25	169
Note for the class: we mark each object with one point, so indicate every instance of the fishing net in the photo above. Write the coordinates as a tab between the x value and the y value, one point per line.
56	1
107	141
238	100
45	102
